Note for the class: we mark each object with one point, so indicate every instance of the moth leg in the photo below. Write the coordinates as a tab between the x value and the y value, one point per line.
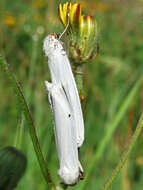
81	171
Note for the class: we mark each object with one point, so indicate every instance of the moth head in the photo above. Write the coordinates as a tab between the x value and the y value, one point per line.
52	45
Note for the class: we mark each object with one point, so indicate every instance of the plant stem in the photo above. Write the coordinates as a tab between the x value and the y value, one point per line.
79	79
30	122
125	154
111	128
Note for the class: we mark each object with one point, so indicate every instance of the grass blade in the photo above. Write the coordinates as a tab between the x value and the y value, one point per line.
125	154
15	84
111	128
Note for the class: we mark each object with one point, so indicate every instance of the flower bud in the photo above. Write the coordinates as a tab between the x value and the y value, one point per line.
12	167
82	32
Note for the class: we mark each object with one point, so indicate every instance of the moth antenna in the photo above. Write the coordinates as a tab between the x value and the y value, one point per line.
65	28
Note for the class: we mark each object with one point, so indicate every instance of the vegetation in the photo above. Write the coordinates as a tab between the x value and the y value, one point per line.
112	89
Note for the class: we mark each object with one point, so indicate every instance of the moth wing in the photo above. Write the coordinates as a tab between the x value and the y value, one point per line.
65	135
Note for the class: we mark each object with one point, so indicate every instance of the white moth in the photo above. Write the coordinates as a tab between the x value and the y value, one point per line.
61	72
65	134
66	109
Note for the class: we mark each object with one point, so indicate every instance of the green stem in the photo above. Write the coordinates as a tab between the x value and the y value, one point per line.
79	79
125	154
30	122
111	128
64	186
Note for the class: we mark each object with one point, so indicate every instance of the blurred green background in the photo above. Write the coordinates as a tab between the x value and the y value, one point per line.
107	82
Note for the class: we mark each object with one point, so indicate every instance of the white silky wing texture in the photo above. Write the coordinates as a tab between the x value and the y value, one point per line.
61	72
64	133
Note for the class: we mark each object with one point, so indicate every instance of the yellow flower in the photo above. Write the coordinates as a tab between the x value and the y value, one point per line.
38	4
73	11
9	20
82	32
